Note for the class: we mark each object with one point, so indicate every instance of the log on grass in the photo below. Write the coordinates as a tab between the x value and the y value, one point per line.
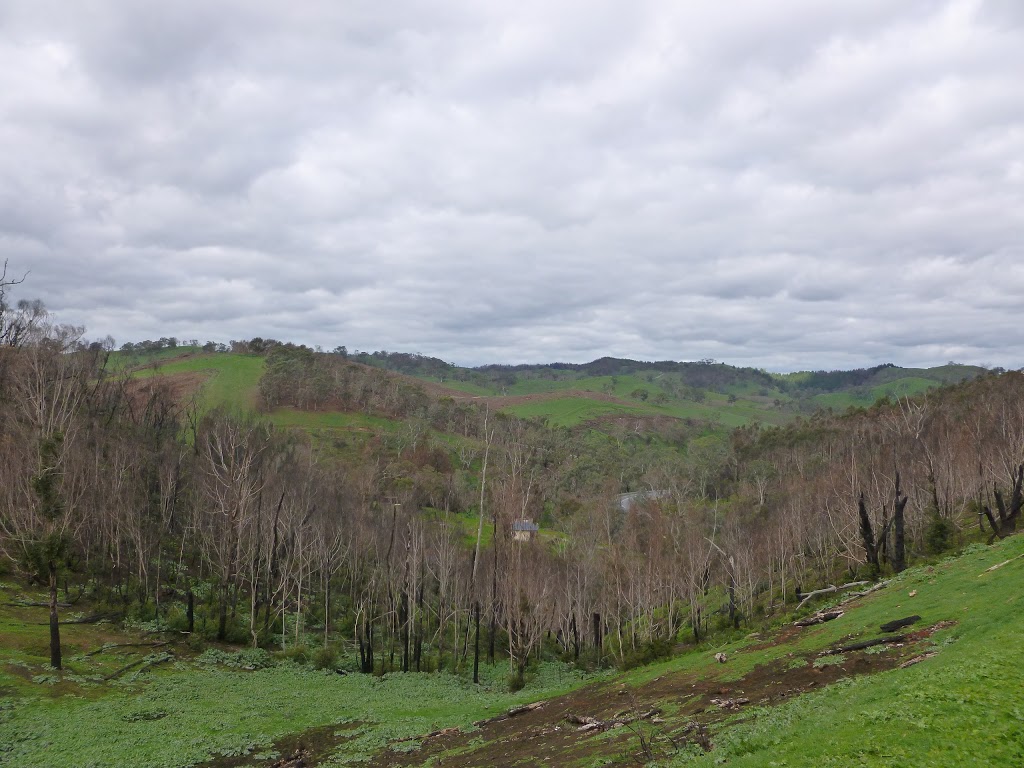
829	590
892	626
105	648
819	618
144	663
859	646
525	708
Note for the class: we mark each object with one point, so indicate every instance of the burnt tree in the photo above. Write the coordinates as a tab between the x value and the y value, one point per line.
899	503
1008	515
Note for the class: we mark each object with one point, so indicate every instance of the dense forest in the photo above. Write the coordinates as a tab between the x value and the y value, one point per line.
215	522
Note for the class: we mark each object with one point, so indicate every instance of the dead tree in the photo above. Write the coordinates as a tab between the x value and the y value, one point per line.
875	548
1006	523
867	535
899	557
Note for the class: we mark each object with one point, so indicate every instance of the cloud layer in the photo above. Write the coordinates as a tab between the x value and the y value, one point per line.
790	184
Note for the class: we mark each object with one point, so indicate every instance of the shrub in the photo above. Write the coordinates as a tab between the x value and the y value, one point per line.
325	658
938	536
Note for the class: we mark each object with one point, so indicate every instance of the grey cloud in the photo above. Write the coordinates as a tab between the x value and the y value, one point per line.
793	185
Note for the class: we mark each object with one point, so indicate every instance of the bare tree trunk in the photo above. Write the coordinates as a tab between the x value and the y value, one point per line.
55	660
476	643
1007	522
867	535
899	557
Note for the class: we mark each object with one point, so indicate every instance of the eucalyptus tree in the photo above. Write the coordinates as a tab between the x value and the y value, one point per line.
47	383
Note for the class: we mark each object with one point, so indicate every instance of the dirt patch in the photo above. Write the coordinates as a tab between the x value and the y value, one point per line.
178	386
686	705
299	750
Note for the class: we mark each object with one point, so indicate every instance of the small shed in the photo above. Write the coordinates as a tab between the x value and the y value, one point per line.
524	530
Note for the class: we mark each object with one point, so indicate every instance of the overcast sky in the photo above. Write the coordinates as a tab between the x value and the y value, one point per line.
787	184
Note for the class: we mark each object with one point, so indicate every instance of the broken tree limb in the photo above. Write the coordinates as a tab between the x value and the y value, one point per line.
829	590
587	723
432	735
1000	565
144	663
819	618
859	646
917	659
868	591
105	648
525	708
731	703
94	618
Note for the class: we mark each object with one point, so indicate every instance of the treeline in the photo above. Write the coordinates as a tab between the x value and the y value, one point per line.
220	523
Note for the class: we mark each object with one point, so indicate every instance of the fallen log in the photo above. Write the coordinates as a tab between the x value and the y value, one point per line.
731	703
917	659
93	618
819	618
868	591
829	590
587	723
859	646
1000	565
525	708
892	626
432	735
104	648
144	663
300	758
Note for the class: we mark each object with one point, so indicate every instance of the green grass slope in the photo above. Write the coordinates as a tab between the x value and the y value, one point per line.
232	379
962	704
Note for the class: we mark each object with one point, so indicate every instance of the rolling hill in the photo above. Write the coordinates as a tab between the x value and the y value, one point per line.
568	395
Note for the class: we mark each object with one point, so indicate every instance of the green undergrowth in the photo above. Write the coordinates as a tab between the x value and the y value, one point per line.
961	706
192	712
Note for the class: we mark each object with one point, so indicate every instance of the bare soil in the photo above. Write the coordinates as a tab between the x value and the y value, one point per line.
179	386
688	704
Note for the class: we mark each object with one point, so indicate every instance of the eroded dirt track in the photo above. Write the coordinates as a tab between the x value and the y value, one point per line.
685	705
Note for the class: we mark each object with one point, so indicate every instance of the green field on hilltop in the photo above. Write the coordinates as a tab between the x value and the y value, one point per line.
572	411
232	379
332	420
908	386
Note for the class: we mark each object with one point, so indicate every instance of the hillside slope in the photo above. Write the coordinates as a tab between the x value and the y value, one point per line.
567	395
944	691
947	694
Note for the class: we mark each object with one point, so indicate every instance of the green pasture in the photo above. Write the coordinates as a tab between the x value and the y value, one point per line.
232	378
572	411
907	386
332	420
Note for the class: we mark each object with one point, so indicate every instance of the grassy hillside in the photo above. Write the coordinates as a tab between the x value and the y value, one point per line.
571	395
228	378
948	694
